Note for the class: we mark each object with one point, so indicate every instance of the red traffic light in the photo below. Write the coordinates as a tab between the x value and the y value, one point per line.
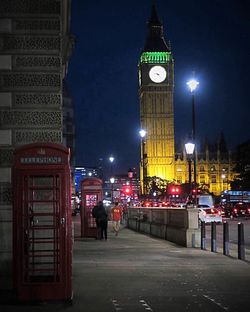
175	190
195	191
126	189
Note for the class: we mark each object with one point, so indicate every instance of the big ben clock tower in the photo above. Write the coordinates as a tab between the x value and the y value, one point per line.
156	83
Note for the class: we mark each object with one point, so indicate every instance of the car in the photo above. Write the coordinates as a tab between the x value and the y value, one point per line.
209	214
236	210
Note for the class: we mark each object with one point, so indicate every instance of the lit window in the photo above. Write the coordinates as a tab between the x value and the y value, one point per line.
213	179
202	179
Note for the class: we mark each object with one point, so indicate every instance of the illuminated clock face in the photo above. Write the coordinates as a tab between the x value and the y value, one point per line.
157	74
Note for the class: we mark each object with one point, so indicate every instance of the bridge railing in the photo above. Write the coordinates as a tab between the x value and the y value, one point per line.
178	225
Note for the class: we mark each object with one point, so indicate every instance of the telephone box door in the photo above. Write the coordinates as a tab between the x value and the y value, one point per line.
42	255
91	192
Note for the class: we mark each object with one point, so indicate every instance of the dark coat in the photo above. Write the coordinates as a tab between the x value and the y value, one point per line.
100	213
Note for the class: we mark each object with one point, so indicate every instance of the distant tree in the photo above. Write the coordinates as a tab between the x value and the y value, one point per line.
242	157
157	185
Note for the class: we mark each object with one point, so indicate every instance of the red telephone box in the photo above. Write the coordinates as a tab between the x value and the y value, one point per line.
92	193
42	235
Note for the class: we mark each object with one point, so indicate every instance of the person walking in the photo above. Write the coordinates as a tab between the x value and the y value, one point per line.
101	216
116	214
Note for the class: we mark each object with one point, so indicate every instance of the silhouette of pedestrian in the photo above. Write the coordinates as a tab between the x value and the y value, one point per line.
101	216
116	213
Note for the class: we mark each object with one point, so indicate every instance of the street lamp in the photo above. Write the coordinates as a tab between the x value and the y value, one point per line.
130	176
192	84
112	181
189	147
223	180
111	159
143	161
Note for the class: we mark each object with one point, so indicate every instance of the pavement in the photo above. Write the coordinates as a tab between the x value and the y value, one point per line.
133	272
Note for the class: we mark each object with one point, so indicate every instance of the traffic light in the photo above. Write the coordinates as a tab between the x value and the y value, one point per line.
126	189
195	191
175	190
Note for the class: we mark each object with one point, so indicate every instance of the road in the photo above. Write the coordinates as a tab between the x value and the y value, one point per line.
233	236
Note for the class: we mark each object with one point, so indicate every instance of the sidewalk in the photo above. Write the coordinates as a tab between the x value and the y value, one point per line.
134	272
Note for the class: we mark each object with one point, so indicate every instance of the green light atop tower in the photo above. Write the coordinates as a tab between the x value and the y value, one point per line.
156	57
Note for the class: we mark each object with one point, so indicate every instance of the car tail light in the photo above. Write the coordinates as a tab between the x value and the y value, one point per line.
235	210
219	212
248	210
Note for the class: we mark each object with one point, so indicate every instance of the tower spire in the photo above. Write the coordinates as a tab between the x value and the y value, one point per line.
155	37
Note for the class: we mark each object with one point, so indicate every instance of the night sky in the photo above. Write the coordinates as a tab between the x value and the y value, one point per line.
210	37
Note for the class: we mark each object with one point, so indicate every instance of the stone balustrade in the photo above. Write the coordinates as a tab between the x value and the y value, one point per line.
177	225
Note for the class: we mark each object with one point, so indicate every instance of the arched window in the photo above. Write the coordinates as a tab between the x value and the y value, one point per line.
202	169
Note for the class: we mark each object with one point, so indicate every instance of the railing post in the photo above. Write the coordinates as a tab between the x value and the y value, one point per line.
241	241
213	237
225	239
203	235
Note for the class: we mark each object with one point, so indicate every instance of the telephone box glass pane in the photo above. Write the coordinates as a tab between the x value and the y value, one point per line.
41	181
41	219
91	201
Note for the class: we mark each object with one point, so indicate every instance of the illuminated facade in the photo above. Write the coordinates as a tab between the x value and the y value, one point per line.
158	155
214	167
156	83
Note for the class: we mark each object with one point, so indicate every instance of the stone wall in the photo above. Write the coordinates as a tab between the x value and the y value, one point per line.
177	225
34	49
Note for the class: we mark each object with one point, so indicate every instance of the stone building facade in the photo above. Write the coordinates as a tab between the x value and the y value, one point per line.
214	166
35	45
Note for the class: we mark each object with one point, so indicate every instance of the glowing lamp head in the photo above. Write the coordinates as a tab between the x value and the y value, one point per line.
189	148
143	133
112	180
192	84
111	159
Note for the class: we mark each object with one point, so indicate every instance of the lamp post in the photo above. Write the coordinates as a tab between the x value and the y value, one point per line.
112	181
189	147
130	176
192	84
143	162
111	159
223	179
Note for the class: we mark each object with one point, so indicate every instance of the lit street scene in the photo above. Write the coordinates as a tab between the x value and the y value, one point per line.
124	155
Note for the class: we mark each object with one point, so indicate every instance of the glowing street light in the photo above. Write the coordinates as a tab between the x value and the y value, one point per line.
189	147
192	84
111	159
143	133
112	181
